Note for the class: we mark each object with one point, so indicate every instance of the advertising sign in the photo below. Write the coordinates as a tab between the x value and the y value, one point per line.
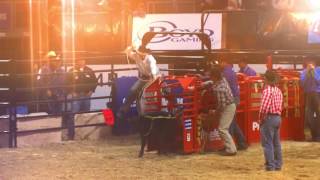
182	23
314	31
4	16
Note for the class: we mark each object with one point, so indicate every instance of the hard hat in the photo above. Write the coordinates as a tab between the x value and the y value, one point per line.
52	55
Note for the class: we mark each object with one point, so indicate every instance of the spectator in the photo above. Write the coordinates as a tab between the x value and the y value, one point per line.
310	81
245	69
270	120
84	83
225	108
51	79
232	80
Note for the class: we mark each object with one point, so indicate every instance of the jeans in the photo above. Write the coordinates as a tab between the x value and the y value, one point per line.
76	106
313	107
55	107
225	120
131	97
270	141
236	132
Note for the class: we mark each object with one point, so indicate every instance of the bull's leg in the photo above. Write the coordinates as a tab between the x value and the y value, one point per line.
144	125
203	140
143	144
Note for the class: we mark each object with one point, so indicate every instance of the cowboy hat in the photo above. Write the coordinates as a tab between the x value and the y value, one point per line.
271	77
143	50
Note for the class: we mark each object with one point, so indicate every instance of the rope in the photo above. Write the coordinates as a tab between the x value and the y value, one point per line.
199	130
286	96
296	87
160	117
255	85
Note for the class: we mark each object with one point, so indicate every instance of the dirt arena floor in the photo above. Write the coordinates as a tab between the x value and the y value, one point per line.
116	158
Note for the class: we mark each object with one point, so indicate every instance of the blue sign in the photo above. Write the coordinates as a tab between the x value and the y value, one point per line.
5	10
122	88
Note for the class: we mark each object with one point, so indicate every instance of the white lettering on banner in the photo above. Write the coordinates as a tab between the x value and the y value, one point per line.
188	137
255	126
179	100
3	17
214	135
164	104
181	23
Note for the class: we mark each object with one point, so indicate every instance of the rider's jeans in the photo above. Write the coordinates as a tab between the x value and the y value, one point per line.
133	93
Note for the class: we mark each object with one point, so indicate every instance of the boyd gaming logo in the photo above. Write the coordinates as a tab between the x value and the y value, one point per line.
167	26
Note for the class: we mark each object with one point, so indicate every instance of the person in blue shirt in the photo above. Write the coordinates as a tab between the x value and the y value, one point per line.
231	77
245	69
310	81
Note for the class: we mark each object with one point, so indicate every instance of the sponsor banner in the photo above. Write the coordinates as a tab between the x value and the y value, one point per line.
5	11
181	23
314	30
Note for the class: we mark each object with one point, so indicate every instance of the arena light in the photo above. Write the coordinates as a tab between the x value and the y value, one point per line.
31	40
69	28
73	30
314	4
102	2
308	17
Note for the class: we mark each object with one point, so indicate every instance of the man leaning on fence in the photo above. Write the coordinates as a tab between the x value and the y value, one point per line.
225	108
231	77
82	83
51	79
245	69
270	121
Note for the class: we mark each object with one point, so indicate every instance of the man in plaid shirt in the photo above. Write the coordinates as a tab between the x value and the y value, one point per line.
270	120
225	109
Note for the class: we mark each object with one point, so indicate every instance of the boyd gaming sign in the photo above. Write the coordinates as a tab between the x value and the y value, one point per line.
314	31
181	23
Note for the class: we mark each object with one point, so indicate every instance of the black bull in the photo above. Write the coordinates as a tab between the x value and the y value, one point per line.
158	130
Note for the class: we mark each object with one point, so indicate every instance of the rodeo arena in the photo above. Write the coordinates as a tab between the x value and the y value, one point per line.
159	89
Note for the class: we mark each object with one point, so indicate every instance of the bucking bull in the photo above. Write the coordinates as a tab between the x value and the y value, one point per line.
160	129
157	129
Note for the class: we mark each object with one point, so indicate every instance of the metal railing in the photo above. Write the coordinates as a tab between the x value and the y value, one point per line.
11	103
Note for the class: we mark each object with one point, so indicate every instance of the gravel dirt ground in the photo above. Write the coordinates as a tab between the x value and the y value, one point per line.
116	158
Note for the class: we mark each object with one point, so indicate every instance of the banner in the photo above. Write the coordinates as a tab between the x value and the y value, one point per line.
314	31
182	23
5	10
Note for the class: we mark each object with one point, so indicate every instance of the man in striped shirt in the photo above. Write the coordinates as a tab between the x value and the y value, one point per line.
270	120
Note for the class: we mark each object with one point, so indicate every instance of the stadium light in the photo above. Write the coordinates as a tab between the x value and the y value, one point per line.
314	4
308	17
102	2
